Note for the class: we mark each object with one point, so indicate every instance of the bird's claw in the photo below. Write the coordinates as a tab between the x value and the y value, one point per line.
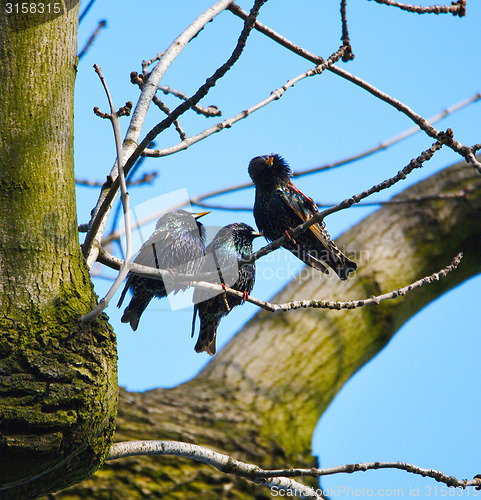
245	296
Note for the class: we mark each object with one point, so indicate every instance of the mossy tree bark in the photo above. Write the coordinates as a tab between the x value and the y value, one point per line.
58	384
261	397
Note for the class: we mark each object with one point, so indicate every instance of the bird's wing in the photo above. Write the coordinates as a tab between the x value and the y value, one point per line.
166	251
154	251
304	208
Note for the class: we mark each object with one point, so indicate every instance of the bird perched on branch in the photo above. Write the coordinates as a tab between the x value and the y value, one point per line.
280	206
230	253
178	243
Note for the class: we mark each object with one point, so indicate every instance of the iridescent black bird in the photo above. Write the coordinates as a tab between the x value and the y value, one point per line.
229	253
177	243
280	206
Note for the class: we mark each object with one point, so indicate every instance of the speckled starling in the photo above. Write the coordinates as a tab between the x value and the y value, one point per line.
230	253
280	206
178	243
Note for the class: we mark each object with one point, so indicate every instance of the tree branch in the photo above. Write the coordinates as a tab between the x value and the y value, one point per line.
222	462
230	465
273	96
197	281
124	197
200	110
457	8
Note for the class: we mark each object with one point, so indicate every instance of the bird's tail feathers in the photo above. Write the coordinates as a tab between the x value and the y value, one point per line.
135	309
315	263
338	262
207	335
333	257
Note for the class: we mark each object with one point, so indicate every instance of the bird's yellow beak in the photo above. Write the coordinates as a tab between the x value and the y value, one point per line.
256	234
270	161
198	216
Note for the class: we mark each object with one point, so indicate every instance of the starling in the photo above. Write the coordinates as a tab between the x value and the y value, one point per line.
279	206
177	243
230	252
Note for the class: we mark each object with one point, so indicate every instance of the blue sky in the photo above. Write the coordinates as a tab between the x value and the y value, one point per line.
417	401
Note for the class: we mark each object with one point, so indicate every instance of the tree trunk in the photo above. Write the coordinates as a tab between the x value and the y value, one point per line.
57	376
261	397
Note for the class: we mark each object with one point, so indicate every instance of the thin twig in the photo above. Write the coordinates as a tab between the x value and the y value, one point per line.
124	196
84	13
397	201
139	80
90	41
146	64
252	472
348	54
456	8
163	107
147	178
201	110
273	96
222	462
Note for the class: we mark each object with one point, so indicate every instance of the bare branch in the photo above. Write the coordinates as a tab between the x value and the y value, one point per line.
252	472
456	8
147	178
362	467
273	96
354	304
195	281
85	11
90	41
222	462
201	110
124	196
397	201
348	54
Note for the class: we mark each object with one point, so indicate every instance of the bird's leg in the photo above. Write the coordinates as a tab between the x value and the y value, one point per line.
224	296
289	237
245	296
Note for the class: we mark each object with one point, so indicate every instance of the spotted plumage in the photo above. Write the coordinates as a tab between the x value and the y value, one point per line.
280	206
230	253
177	243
